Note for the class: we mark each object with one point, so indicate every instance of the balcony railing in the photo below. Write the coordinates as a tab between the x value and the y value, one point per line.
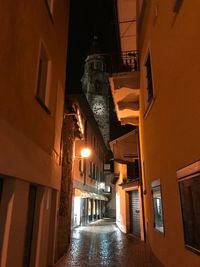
123	62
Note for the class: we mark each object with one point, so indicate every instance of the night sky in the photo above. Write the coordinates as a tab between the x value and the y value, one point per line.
89	18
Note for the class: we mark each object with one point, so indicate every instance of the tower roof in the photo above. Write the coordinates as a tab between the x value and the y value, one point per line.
95	48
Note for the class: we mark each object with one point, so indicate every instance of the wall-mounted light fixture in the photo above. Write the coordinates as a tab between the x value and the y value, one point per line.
85	152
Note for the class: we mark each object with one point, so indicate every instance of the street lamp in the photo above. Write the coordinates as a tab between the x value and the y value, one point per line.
85	152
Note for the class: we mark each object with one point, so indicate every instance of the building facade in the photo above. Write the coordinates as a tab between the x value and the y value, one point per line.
88	176
168	140
128	184
33	65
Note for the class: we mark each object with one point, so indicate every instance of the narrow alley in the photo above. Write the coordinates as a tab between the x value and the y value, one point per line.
103	244
99	119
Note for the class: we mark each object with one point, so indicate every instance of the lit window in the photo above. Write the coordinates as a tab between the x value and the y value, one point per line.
157	206
43	84
108	189
189	188
149	79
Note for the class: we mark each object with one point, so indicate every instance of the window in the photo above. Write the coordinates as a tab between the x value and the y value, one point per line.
91	66
43	83
149	79
81	166
189	188
50	5
91	168
157	206
177	5
94	171
102	177
1	187
31	213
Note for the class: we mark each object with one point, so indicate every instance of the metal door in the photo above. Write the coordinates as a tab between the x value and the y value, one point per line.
134	212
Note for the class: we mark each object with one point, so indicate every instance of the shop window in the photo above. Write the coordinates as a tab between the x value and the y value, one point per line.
189	188
99	66
43	82
85	130
149	85
157	206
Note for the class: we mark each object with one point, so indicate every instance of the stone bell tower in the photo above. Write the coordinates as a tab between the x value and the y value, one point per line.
95	85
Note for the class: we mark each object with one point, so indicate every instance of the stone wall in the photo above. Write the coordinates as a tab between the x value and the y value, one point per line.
64	213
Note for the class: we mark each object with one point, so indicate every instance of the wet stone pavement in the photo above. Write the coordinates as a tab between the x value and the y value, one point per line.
103	244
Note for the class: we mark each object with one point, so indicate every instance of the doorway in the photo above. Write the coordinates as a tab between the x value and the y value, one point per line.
134	213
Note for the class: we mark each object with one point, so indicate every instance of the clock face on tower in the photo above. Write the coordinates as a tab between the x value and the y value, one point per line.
98	108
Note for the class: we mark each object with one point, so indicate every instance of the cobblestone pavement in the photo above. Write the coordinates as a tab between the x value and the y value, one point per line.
103	244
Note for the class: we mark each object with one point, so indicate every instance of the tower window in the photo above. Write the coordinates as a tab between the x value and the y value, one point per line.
92	66
99	66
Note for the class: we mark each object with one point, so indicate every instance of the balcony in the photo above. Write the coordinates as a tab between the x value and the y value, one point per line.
125	86
125	147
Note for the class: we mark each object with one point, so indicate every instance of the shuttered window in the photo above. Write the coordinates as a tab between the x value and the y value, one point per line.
149	79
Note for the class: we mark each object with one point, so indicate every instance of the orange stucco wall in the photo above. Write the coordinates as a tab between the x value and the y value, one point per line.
30	138
127	24
170	131
28	133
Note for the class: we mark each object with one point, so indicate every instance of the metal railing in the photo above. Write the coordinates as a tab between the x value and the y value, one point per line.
122	62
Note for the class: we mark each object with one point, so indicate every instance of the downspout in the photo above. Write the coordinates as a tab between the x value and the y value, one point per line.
141	183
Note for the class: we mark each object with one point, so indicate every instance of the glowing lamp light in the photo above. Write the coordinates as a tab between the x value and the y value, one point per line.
85	152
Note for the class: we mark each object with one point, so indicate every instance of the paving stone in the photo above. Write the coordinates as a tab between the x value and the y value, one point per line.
102	244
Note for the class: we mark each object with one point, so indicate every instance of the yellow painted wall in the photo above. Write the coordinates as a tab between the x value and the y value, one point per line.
30	138
170	132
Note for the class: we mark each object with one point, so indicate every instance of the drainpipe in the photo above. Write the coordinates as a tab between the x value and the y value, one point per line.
141	183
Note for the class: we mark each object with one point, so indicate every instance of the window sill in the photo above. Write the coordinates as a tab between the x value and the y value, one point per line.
148	109
43	105
158	231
